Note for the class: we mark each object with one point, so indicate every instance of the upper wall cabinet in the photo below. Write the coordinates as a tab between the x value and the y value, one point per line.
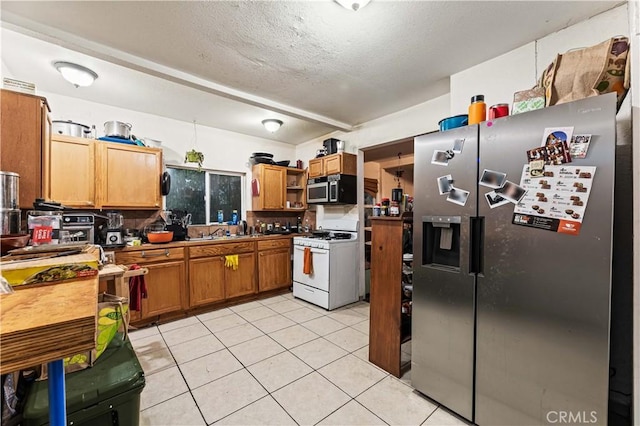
129	176
274	186
92	174
342	163
70	177
25	132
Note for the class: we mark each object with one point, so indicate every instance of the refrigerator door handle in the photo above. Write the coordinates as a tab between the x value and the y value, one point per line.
476	252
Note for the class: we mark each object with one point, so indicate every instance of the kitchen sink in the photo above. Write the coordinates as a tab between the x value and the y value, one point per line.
216	238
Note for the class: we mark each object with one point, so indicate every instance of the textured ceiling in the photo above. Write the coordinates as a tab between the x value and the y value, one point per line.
311	55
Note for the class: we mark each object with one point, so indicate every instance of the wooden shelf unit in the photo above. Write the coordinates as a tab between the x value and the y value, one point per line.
385	333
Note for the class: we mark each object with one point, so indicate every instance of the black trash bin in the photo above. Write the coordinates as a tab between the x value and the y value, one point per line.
106	394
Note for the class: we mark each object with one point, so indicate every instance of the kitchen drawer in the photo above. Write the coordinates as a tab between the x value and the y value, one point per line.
274	244
147	256
311	295
221	249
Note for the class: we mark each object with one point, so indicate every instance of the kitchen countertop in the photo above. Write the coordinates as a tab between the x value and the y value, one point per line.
198	242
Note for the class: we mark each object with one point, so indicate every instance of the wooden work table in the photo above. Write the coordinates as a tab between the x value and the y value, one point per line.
47	322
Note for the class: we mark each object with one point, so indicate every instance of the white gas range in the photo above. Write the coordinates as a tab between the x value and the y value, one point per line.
333	279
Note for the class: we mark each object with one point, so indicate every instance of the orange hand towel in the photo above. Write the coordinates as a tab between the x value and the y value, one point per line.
307	267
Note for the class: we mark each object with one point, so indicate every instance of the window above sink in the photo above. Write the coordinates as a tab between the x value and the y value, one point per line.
204	193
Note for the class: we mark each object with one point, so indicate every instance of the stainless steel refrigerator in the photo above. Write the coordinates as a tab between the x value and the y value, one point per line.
510	320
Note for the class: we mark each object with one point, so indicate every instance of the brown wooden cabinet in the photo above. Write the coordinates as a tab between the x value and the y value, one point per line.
276	185
206	280
316	168
242	281
165	288
342	163
272	182
24	133
386	328
129	177
274	264
211	281
166	281
70	175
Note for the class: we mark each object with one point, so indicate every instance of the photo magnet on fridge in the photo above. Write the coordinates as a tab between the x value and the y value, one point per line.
512	192
495	200
458	196
440	158
444	184
458	144
536	168
492	179
579	146
556	134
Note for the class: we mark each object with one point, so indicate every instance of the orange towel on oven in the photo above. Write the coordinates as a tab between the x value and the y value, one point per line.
307	267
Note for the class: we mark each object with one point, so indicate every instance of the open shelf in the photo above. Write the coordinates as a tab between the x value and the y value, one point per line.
294	188
367	228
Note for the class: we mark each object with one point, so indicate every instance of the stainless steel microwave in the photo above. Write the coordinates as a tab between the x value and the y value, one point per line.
333	189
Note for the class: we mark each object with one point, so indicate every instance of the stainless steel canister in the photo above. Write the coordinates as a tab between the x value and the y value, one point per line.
9	221
9	190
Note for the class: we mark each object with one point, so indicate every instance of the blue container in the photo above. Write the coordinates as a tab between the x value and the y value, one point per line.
220	216
234	217
453	122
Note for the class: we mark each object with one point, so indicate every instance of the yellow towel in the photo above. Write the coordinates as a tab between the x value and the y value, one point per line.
231	261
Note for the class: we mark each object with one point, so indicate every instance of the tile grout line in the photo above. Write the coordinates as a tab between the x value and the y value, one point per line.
289	350
185	382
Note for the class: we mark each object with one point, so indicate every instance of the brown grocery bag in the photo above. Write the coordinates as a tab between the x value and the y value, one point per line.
591	71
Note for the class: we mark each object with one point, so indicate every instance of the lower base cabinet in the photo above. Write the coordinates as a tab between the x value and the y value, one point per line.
211	281
164	288
166	280
206	280
242	281
275	269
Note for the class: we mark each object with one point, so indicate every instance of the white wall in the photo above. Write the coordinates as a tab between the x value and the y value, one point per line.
223	150
520	68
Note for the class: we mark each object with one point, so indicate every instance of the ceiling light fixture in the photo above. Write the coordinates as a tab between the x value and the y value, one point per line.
354	5
76	74
271	124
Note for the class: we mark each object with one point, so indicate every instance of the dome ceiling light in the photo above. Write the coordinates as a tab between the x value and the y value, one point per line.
271	124
354	5
76	74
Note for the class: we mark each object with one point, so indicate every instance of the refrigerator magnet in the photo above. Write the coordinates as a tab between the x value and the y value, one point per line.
444	184
492	179
495	200
458	144
536	168
512	192
440	158
556	134
458	196
579	146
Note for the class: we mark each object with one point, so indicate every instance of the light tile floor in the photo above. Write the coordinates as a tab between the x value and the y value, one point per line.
277	361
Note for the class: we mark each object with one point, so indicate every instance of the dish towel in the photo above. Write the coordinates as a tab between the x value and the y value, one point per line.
137	290
231	261
307	267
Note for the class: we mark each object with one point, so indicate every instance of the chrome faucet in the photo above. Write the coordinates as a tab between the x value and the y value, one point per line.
215	233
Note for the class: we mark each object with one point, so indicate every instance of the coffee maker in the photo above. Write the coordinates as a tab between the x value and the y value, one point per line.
114	237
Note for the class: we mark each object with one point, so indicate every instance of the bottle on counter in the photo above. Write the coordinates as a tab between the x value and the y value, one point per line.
384	210
234	217
376	210
299	224
220	216
394	209
477	110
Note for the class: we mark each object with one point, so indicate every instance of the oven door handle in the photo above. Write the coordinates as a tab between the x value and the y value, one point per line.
301	248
